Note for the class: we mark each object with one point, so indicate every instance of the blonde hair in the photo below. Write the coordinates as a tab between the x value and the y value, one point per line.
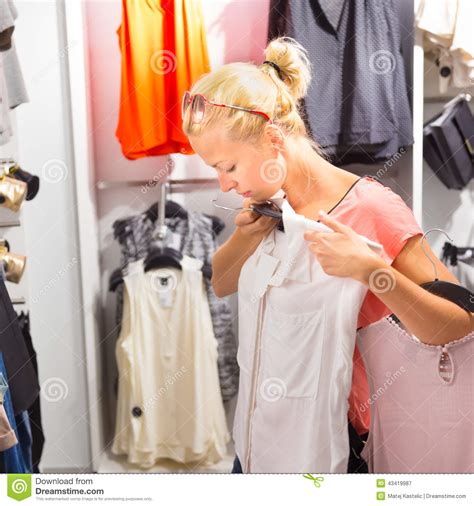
257	87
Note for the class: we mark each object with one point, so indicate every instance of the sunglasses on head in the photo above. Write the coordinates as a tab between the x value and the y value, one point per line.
198	105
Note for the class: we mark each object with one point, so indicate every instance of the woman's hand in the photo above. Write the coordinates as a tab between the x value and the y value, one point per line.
254	224
342	253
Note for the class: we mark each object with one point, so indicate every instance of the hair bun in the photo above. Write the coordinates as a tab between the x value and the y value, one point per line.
289	58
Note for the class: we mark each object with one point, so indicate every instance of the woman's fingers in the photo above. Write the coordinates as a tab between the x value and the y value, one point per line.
245	218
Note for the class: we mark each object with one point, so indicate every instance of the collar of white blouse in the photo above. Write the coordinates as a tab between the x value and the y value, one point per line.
297	262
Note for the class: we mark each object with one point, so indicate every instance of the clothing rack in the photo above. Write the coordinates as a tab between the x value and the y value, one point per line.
451	100
165	187
177	185
6	224
205	183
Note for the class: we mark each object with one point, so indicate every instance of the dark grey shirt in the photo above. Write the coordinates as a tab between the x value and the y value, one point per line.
357	104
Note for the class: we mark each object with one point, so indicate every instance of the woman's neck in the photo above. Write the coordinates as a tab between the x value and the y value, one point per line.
312	180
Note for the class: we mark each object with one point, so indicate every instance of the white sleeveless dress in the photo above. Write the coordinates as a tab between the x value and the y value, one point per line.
169	399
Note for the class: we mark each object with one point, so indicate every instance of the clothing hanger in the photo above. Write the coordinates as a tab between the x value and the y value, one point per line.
267	208
163	257
116	278
451	291
157	258
172	209
458	294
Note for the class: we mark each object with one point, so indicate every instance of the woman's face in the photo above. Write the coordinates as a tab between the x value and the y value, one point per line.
251	171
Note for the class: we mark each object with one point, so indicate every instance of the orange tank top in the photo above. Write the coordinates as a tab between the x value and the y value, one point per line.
164	50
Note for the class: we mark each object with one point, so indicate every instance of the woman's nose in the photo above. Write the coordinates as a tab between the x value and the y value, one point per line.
226	183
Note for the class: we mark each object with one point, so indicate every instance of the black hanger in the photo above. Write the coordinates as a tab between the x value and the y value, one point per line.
453	292
158	257
116	278
172	209
163	257
267	208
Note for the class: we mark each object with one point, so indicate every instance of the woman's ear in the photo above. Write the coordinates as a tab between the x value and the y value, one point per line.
275	136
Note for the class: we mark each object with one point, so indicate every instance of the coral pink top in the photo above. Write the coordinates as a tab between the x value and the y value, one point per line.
375	211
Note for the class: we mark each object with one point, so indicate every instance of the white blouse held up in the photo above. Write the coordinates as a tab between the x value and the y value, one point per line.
297	332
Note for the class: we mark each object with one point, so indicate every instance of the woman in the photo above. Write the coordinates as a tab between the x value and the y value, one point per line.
249	128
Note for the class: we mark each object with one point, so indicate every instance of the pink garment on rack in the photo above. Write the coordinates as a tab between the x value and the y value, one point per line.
421	402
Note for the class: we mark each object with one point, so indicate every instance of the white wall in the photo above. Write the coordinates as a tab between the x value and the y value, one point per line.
450	210
42	146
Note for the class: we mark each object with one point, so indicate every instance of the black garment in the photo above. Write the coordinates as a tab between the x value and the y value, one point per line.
34	413
357	106
237	467
356	463
22	380
447	144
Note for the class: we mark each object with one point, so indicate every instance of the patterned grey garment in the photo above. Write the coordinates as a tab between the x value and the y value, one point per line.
136	236
357	105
